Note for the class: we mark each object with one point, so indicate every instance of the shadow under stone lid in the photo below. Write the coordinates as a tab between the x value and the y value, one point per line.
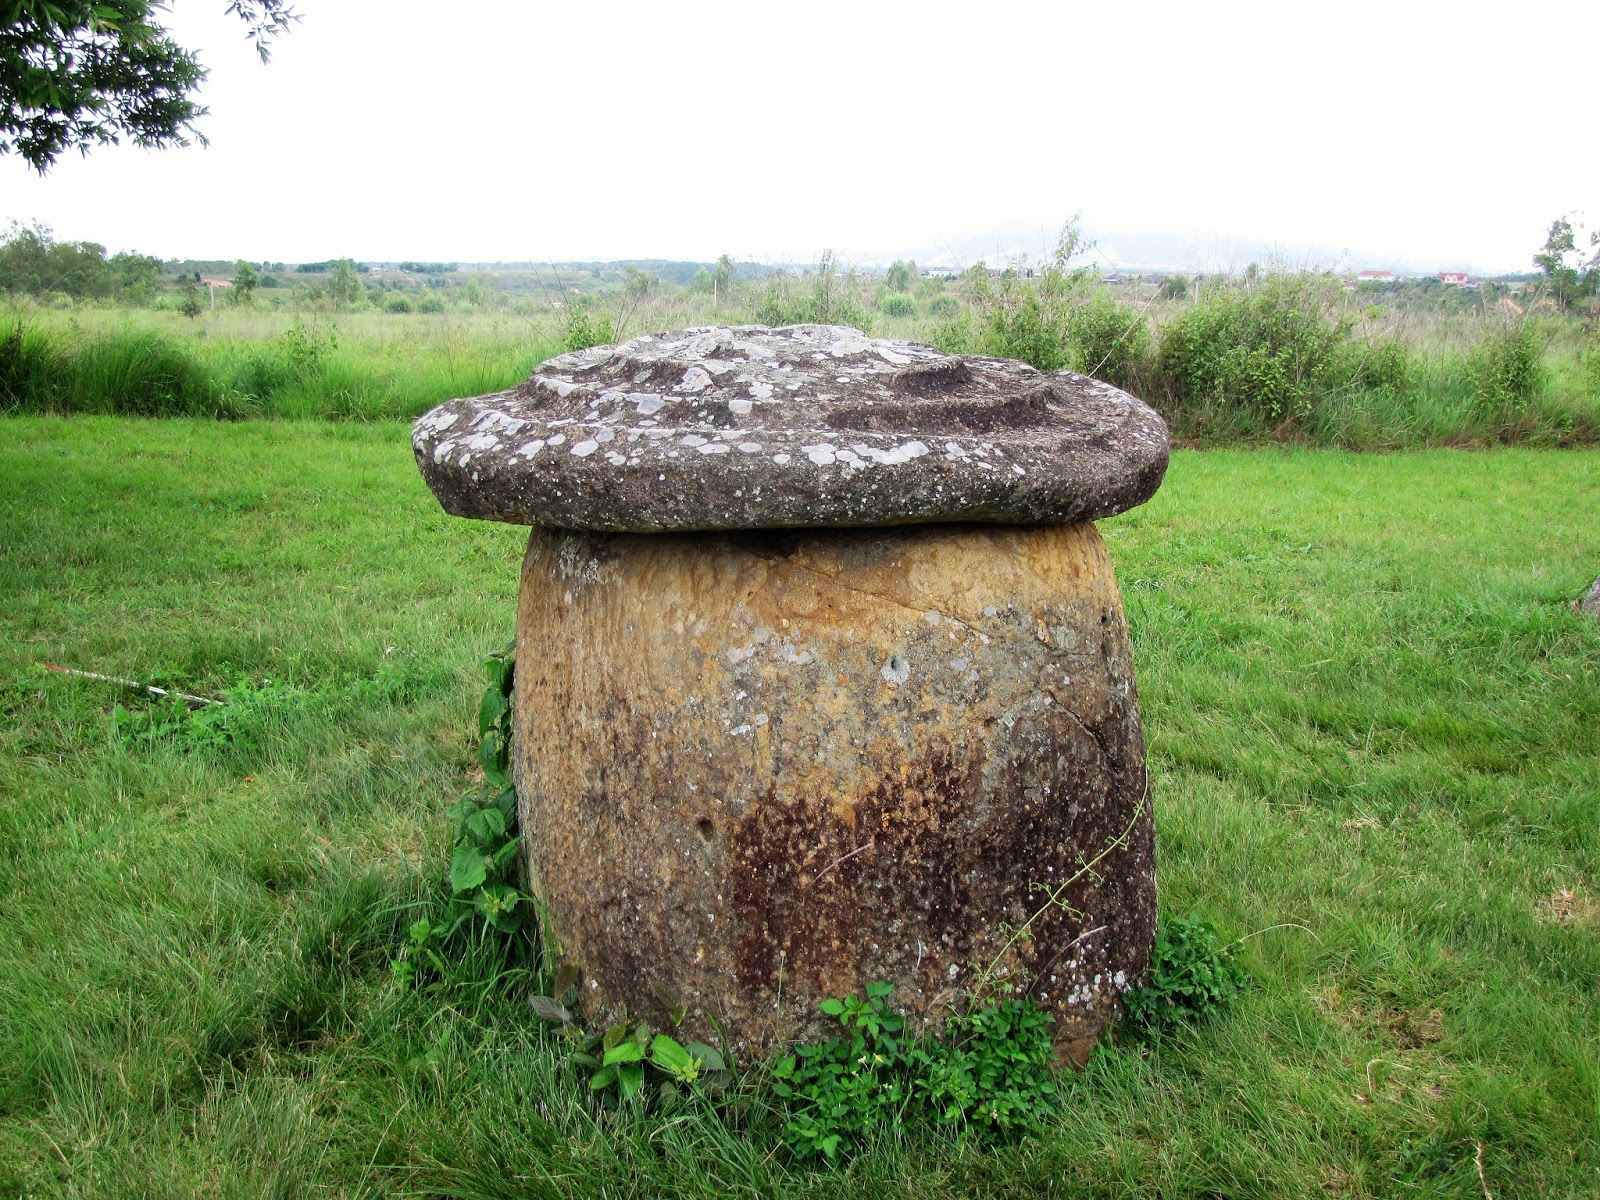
801	426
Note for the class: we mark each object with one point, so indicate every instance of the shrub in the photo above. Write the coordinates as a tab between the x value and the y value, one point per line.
1267	352
1053	322
397	304
825	297
897	306
296	357
1505	366
585	327
1109	341
1382	363
943	306
430	304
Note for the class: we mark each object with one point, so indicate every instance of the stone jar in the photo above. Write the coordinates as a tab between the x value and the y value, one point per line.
822	675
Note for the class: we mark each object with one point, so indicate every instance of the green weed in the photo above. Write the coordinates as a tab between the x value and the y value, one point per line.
988	1077
1192	975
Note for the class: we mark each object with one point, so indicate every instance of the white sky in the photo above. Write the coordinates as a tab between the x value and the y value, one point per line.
1423	135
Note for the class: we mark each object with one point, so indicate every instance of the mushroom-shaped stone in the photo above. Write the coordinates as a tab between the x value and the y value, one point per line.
760	761
806	425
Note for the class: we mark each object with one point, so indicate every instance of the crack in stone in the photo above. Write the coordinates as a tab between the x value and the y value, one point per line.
1099	738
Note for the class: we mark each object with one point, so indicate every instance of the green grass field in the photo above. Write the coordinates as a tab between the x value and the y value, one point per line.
1374	724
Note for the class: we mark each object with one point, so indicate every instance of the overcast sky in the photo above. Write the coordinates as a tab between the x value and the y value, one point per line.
1356	134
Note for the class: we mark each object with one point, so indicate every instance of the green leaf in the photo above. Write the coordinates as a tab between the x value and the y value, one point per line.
489	709
613	1035
832	1007
709	1058
467	869
630	1079
504	855
602	1078
624	1052
487	824
491	760
880	989
668	1054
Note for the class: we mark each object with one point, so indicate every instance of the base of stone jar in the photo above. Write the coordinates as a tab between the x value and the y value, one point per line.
757	770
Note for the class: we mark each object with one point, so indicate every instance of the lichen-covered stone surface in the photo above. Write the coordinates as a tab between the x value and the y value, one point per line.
758	769
801	426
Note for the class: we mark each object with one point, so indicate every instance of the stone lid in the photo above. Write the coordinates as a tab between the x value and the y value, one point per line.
806	425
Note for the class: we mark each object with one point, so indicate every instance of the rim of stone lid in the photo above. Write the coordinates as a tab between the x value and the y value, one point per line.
799	426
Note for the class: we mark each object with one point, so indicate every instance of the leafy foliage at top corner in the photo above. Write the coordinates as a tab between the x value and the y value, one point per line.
78	73
1192	975
988	1077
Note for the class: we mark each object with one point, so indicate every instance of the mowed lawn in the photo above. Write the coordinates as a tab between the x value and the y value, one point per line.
1374	726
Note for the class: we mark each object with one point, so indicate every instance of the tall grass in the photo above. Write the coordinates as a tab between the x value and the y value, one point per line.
259	367
1288	357
1294	357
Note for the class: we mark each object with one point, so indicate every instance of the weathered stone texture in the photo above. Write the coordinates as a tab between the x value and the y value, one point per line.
796	427
757	769
1591	602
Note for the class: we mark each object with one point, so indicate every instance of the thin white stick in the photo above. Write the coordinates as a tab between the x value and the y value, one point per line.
843	858
129	683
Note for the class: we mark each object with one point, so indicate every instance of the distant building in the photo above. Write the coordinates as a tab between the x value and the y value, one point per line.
1374	276
1111	278
208	282
1455	278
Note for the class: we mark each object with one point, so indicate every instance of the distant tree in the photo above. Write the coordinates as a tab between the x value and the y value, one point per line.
245	282
80	73
1252	274
722	278
344	285
189	300
899	275
1566	275
639	284
1174	287
33	262
135	277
